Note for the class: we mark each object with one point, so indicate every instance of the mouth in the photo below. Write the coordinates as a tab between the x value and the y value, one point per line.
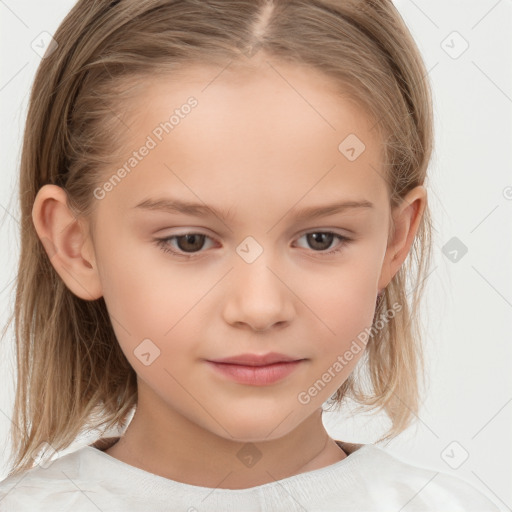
257	359
256	375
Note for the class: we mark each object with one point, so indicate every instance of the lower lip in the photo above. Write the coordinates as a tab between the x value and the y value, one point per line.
256	375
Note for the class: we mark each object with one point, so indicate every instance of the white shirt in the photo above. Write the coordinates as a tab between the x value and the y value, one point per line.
368	479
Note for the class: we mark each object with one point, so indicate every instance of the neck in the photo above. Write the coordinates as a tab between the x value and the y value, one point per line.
182	451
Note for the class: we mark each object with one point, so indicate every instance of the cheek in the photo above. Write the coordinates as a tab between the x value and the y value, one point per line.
130	285
139	286
353	310
343	302
148	297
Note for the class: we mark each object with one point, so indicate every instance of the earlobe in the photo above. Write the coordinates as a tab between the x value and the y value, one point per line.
66	241
407	217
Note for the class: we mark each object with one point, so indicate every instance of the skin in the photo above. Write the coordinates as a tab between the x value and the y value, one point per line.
260	147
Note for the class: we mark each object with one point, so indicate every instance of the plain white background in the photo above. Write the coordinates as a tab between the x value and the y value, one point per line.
465	422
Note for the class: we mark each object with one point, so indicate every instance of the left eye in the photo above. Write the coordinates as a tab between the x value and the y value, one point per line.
190	243
319	238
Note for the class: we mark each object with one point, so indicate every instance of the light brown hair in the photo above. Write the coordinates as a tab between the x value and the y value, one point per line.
72	376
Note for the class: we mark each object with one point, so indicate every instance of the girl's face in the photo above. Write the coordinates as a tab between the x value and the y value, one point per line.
237	160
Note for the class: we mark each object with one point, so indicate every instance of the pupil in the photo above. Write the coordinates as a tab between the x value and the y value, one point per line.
317	238
199	239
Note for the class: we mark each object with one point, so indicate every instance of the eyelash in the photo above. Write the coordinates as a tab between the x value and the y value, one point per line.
163	244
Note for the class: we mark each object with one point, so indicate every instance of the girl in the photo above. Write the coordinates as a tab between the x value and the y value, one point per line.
218	199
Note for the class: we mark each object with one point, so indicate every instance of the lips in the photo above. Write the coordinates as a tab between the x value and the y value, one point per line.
256	369
256	359
261	375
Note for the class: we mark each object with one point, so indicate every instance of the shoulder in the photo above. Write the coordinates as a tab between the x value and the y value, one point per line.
57	486
426	489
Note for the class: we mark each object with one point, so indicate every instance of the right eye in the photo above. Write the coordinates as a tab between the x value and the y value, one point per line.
186	243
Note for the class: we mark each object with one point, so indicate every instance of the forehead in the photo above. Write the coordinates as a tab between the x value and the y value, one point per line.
278	128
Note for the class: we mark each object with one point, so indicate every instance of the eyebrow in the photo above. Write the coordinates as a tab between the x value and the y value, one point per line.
203	210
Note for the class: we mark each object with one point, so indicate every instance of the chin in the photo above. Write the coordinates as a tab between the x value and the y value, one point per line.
255	430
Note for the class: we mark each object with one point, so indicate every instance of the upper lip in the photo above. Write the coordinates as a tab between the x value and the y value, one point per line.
256	359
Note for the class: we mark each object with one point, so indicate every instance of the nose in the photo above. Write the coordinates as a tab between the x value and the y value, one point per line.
258	298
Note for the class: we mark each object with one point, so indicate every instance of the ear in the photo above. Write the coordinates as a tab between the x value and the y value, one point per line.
66	241
407	216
